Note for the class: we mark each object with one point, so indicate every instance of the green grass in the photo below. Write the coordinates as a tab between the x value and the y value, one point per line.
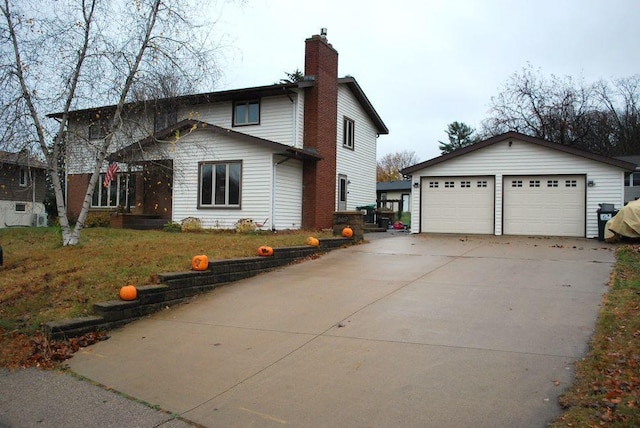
606	391
42	281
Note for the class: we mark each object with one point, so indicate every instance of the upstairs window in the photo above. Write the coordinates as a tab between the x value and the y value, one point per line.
348	133
98	129
23	177
164	119
246	113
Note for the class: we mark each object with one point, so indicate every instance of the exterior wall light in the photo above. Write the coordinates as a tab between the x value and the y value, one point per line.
591	183
416	185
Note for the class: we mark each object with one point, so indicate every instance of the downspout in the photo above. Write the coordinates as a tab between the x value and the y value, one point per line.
273	194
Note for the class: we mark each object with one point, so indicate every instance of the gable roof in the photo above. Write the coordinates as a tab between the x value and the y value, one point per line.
196	125
240	94
628	166
386	186
365	103
21	158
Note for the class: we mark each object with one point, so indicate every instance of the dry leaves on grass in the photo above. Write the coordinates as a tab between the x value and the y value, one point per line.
23	351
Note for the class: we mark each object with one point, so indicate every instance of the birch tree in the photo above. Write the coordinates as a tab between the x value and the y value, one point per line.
57	57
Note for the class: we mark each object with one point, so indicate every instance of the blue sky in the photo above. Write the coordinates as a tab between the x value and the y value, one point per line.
425	64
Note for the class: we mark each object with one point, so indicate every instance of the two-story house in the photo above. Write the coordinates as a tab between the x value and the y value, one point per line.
22	190
288	155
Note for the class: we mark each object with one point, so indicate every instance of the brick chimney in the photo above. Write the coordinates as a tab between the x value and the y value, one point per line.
320	133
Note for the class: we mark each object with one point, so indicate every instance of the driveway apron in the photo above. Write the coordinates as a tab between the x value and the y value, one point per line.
413	331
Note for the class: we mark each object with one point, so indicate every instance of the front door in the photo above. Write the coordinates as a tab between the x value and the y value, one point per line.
342	192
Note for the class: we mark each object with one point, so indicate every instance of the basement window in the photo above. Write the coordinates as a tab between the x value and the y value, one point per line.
21	207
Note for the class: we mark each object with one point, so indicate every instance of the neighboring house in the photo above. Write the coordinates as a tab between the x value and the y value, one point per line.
513	184
22	190
286	155
395	195
631	179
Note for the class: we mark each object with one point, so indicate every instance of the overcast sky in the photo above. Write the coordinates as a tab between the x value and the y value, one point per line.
425	64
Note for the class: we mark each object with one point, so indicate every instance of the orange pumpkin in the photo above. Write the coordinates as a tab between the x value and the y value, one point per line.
200	262
314	242
347	232
128	292
265	251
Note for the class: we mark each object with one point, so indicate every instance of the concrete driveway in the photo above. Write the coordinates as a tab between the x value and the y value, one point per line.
412	331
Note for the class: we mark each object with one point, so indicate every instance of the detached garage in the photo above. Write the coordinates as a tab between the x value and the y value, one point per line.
514	184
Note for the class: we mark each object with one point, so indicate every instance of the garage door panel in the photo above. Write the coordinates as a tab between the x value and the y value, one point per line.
458	205
544	205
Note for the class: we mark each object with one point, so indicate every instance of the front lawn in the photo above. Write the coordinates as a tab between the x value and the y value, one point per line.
606	391
42	281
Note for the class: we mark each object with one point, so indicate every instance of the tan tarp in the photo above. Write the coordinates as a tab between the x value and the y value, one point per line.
626	223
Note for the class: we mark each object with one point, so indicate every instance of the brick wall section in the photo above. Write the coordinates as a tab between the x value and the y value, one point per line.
320	130
180	286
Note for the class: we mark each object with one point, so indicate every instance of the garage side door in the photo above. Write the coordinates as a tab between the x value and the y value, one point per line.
457	205
551	205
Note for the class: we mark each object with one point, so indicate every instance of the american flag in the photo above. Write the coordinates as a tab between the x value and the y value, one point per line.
112	170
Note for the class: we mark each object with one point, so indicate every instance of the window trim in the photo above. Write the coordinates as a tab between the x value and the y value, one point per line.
348	133
129	178
23	177
234	119
213	206
101	125
169	118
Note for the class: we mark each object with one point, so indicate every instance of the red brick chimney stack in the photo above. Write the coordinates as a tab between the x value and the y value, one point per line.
320	133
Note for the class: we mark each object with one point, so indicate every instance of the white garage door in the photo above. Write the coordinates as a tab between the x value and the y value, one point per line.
544	205
457	204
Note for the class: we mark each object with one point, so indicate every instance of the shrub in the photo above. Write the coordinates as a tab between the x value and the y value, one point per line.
245	225
191	224
97	220
172	227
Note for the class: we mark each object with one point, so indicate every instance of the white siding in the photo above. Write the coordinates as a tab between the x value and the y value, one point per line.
522	158
277	116
359	165
256	179
287	212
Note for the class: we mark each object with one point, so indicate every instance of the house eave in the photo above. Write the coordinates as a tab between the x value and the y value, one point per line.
357	91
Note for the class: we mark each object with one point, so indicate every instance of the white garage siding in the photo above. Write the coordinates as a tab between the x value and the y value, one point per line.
551	205
512	157
458	204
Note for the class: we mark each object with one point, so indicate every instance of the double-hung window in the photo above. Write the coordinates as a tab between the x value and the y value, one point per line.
220	184
348	133
98	129
164	119
246	113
